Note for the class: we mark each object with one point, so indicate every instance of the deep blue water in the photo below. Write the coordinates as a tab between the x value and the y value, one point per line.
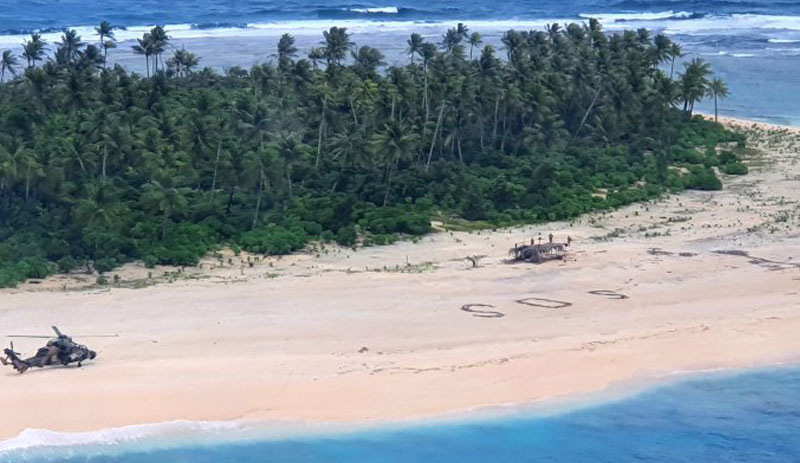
752	417
23	15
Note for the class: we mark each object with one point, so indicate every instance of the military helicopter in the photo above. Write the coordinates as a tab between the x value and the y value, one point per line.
58	351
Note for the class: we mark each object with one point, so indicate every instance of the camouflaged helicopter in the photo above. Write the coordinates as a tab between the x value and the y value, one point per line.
58	351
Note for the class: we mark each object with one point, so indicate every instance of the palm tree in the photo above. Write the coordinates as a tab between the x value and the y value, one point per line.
474	40
291	150
96	213
70	46
28	163
415	43
260	159
33	49
166	197
718	90
144	47
675	51
462	30
8	168
451	40
395	143
107	40
316	55
8	62
160	42
286	51
183	62
336	45
694	83
367	61
90	58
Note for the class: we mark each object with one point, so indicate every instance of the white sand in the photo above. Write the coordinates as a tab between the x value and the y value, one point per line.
283	339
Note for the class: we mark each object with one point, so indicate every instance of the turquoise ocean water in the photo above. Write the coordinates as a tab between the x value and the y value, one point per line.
748	417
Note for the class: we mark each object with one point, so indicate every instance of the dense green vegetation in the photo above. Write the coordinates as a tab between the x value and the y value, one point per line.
99	165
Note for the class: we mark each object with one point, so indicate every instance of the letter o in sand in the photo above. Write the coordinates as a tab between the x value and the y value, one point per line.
542	302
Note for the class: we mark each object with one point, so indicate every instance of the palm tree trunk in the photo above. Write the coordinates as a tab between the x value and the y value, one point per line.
494	129
715	107
321	130
216	167
289	180
388	184
586	115
164	225
480	126
353	110
105	157
230	201
435	134
258	199
426	106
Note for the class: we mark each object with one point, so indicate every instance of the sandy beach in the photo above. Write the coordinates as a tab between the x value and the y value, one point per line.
694	281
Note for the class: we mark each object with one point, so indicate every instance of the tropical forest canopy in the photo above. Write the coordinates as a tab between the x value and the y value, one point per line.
99	165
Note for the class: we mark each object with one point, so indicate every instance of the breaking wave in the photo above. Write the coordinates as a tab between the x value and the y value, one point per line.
624	17
377	10
44	440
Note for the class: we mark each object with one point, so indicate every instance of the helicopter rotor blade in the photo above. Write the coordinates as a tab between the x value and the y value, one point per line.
43	336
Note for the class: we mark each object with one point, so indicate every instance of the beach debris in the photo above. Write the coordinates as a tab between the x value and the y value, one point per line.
658	252
363	350
482	313
542	302
475	260
58	351
541	252
608	293
760	261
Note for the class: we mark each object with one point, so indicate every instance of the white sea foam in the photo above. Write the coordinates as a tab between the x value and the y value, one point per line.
380	10
173	430
668	21
732	24
624	17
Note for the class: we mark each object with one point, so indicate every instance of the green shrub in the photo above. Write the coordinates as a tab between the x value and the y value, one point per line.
735	168
273	240
704	179
346	236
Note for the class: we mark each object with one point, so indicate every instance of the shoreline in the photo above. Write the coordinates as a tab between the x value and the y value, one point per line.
291	346
178	433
